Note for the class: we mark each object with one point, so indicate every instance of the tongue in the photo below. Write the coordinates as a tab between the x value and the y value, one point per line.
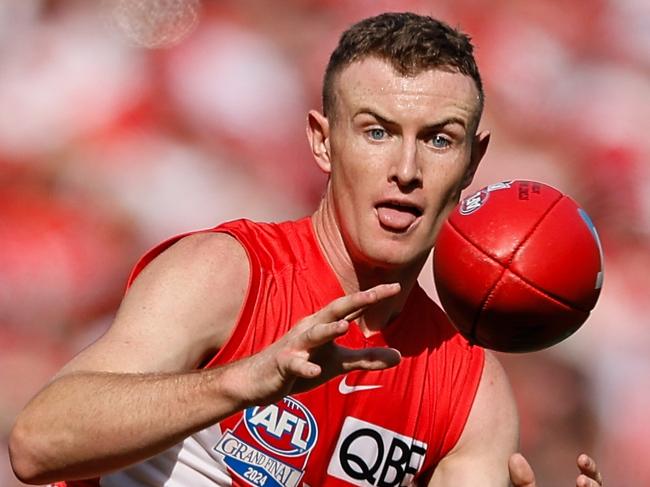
394	218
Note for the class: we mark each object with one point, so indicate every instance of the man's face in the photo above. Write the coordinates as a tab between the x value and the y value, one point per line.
400	151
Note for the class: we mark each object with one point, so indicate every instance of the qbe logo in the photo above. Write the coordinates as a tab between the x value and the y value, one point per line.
367	454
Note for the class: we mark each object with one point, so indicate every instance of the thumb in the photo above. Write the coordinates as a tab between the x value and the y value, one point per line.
521	473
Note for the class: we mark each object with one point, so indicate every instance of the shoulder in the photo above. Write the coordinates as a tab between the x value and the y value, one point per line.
178	311
491	433
493	414
206	271
489	438
186	301
272	245
213	249
200	258
494	399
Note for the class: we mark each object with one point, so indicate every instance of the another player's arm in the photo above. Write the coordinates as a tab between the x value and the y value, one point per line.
485	453
133	393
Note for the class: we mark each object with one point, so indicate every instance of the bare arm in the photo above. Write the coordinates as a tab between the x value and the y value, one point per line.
485	453
132	393
490	436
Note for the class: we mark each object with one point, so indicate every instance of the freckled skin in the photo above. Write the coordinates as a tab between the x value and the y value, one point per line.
404	163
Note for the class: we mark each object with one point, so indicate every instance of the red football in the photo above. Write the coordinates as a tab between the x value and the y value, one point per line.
518	266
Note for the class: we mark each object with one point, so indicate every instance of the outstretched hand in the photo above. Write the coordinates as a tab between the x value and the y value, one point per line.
522	475
306	356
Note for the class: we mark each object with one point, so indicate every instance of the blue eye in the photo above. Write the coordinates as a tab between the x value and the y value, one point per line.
377	134
440	141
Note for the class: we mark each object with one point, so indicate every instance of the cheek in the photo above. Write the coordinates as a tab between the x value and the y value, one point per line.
448	174
444	189
356	169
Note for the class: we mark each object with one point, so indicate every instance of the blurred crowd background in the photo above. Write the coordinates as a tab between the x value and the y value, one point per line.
117	132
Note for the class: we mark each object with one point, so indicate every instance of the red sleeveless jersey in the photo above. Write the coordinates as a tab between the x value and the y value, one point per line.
375	428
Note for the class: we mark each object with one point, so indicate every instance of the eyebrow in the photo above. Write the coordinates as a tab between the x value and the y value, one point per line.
452	120
372	113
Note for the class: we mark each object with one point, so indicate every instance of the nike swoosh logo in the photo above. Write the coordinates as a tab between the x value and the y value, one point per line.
346	389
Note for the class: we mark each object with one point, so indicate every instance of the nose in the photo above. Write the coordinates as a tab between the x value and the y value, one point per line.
405	170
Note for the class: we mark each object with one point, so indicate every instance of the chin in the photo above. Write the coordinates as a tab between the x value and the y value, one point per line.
376	247
394	254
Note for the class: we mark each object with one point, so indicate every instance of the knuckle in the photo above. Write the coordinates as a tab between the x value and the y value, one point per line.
303	324
309	333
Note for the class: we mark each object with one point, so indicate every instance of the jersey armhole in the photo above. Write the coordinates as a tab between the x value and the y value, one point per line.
465	388
247	309
248	305
155	251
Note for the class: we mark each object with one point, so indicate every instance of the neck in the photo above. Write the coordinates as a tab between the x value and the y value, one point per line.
354	275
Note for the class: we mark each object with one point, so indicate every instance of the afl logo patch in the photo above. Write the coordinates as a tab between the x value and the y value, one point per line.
269	446
287	428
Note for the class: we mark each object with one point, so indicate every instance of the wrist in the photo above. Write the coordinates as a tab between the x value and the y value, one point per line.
230	386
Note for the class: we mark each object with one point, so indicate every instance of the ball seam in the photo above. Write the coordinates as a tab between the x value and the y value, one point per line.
529	283
506	267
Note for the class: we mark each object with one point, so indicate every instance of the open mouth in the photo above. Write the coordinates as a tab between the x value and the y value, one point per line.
397	216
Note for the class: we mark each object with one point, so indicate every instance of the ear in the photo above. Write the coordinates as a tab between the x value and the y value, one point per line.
318	133
479	147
